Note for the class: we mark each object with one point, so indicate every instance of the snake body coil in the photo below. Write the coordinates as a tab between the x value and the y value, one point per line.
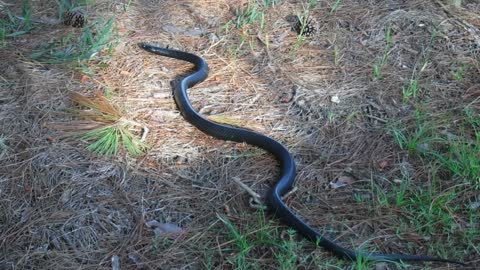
287	164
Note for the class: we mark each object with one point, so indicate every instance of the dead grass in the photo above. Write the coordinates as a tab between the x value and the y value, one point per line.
63	208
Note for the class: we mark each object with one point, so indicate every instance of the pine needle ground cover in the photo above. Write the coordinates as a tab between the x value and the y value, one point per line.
377	100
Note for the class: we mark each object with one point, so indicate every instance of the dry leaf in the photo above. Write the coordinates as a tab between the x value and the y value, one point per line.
84	79
168	229
163	229
382	165
342	181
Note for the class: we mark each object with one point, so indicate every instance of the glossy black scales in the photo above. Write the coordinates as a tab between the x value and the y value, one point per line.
285	159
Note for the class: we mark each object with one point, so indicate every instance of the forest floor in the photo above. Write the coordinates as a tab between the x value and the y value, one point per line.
379	107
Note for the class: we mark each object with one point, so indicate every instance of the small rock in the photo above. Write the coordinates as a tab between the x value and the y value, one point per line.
115	262
49	20
381	266
475	205
213	22
172	29
162	229
167	229
196	32
136	260
424	147
335	99
152	224
66	196
162	95
213	38
162	115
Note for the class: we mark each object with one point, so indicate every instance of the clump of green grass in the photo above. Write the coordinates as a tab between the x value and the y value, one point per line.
242	243
288	250
252	13
127	5
5	29
27	14
411	90
335	6
459	74
447	143
250	20
430	210
262	234
3	146
11	26
246	18
93	39
288	256
111	130
377	68
248	15
459	154
107	141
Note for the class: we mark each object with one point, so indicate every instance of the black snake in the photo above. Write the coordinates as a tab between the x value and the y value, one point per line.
287	164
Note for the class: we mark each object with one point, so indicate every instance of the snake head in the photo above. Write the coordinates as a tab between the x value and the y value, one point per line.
151	48
143	45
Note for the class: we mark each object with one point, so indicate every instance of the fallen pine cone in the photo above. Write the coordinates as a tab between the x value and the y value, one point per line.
74	18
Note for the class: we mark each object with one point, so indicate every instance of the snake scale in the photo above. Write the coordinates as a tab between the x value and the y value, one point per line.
287	164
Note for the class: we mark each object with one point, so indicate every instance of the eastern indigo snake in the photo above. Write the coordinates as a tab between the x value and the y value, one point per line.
287	164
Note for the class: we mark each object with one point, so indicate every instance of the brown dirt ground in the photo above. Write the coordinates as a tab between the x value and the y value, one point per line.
63	208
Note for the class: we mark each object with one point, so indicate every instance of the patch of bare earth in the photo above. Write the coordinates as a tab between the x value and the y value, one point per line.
61	207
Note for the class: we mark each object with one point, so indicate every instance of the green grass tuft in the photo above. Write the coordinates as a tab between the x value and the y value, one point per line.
459	74
94	38
377	68
411	90
114	131
458	154
27	14
3	146
335	6
262	235
108	140
11	27
249	15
